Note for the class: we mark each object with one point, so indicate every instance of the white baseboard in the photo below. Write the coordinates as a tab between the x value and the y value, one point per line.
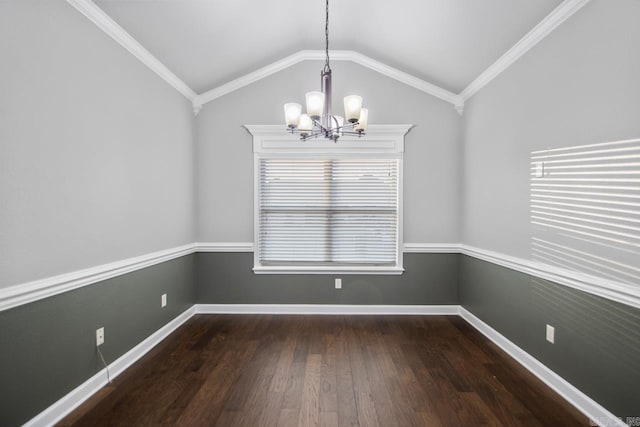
596	413
77	396
329	309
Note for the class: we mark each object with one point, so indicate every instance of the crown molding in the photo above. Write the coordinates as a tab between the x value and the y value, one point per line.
256	75
398	75
336	55
533	37
116	32
560	14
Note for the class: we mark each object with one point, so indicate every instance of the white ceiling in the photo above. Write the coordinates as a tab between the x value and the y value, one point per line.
207	43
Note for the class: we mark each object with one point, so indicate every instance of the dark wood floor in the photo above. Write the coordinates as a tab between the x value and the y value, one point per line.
259	370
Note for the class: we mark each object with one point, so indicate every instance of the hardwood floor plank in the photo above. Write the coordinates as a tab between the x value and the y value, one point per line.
366	408
310	407
288	418
281	375
397	390
293	393
207	405
302	349
430	400
254	373
346	404
328	386
385	411
329	419
271	412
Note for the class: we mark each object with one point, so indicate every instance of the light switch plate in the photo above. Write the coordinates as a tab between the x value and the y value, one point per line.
538	170
100	336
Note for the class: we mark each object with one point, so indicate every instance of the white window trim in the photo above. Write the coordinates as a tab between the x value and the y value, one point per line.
381	141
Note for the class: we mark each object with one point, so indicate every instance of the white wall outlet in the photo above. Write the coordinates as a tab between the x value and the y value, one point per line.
551	334
538	170
338	283
163	300
99	336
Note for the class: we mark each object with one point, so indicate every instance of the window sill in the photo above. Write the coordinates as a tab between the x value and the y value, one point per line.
329	270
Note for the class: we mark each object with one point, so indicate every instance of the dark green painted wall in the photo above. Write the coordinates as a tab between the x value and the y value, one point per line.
47	348
227	278
597	341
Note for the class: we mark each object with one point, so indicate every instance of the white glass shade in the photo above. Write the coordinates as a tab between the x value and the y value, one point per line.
292	113
306	124
352	106
315	104
363	120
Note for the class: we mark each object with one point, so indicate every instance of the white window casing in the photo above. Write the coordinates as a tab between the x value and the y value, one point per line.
328	208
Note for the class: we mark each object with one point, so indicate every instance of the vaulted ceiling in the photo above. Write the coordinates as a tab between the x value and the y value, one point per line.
207	43
449	49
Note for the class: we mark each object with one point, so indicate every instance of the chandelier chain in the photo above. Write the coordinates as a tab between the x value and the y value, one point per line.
326	34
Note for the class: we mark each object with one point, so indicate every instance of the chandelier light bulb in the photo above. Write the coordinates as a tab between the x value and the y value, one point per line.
292	113
315	104
352	107
363	120
306	124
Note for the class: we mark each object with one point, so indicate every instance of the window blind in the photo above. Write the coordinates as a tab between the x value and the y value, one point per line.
328	211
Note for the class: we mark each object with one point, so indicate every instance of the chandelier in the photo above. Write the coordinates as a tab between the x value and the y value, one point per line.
319	120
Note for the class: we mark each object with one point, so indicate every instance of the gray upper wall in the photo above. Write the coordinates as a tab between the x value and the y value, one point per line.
96	151
580	85
225	154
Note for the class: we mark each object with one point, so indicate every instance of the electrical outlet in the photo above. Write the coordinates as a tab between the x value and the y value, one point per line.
99	336
539	169
338	283
163	300
551	334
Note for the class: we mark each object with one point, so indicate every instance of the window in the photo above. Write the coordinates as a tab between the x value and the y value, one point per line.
322	207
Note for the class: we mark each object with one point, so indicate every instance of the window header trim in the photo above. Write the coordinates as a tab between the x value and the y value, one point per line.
380	139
